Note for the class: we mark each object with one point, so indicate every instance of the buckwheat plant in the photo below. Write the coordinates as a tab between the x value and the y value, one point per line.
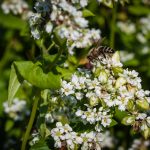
77	105
92	99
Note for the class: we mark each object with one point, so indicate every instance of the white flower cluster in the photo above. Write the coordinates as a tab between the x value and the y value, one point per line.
64	136
93	116
107	87
145	29
16	110
126	27
126	56
64	17
139	144
14	6
35	138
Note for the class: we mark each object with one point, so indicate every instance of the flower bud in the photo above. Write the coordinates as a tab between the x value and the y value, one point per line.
97	72
103	77
117	70
142	104
93	101
120	81
116	57
130	105
131	88
128	120
148	121
146	133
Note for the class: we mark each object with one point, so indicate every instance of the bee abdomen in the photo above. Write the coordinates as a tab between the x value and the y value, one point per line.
106	49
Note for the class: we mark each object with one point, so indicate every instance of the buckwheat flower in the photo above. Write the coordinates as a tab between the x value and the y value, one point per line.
79	95
92	84
35	33
141	116
49	118
83	3
106	140
144	126
17	110
140	94
141	38
106	121
14	6
148	121
97	91
79	140
49	27
63	32
35	138
81	22
67	88
126	27
79	113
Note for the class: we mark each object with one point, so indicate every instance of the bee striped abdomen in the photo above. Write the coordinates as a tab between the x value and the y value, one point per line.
99	51
106	49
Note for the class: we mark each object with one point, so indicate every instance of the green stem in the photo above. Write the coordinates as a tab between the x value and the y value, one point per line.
113	21
30	124
50	66
49	48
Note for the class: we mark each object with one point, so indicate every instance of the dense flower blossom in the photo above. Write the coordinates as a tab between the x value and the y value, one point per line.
65	18
17	110
65	136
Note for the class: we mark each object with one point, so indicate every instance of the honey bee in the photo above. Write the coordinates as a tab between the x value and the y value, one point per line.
99	50
136	125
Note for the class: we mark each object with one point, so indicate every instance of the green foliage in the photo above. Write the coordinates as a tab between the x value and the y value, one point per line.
41	145
14	84
35	75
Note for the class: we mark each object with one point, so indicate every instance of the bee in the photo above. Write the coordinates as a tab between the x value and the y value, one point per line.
136	125
99	50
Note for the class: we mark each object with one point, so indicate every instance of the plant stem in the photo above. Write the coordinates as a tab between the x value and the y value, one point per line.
113	21
49	48
30	124
49	67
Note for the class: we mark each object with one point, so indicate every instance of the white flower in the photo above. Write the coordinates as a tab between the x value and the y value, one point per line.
35	33
92	84
141	116
49	117
67	88
128	28
79	113
81	22
106	121
49	27
79	95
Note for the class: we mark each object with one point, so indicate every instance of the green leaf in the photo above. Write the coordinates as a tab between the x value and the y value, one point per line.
87	13
66	74
135	10
14	84
113	123
9	124
12	22
120	114
34	74
41	145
